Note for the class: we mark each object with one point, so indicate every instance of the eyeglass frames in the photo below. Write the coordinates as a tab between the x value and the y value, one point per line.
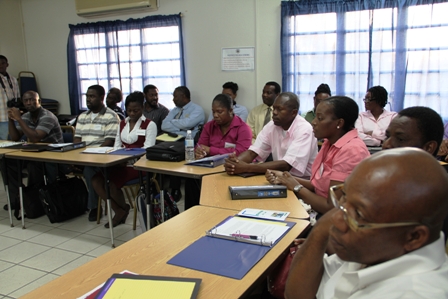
352	223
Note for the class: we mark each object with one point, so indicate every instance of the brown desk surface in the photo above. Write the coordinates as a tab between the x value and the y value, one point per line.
175	168
215	193
149	253
70	157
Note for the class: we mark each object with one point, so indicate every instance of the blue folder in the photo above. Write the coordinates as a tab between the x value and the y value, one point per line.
220	256
129	151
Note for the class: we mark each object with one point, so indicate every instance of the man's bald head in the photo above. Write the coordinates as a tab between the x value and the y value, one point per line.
31	101
398	185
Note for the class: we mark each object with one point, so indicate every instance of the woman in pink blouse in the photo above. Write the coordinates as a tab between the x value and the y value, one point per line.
341	151
226	133
373	123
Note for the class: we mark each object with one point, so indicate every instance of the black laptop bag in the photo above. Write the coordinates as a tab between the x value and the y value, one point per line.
167	151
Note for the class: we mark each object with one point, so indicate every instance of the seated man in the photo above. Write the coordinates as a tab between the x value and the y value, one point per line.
153	110
185	116
114	96
322	92
385	231
37	125
261	115
289	137
97	126
419	127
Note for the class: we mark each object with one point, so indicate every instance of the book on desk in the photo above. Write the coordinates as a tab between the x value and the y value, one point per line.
256	192
52	147
65	147
231	252
145	286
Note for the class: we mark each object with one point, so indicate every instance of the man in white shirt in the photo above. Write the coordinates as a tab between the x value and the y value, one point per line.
9	92
385	231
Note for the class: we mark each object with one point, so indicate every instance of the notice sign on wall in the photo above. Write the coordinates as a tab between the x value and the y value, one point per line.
238	59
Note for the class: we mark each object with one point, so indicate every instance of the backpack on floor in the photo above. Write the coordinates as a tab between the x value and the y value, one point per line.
64	199
151	214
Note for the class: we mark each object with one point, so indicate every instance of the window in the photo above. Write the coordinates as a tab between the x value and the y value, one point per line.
127	55
352	48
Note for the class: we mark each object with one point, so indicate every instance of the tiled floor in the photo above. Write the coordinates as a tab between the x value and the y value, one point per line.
43	251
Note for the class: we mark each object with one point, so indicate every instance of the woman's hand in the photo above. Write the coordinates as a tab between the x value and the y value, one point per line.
201	151
271	176
288	180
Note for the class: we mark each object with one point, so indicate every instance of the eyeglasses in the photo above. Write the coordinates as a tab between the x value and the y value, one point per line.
366	100
352	223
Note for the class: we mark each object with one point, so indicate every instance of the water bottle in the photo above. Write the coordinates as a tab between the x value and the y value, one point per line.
189	147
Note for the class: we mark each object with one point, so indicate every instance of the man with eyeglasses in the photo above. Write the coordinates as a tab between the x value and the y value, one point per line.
385	230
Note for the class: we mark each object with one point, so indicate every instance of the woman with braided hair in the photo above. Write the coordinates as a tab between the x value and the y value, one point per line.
373	123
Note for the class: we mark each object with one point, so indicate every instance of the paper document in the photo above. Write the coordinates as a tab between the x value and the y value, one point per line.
166	137
264	214
98	150
250	230
6	143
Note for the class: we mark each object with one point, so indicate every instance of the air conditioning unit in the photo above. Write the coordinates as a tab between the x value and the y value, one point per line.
91	8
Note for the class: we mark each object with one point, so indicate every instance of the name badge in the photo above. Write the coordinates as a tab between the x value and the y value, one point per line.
141	132
98	127
229	145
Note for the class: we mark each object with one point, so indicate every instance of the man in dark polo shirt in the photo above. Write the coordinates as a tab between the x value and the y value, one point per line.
153	109
36	125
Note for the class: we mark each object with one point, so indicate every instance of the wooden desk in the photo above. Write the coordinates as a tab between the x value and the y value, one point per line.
175	168
148	254
73	157
215	193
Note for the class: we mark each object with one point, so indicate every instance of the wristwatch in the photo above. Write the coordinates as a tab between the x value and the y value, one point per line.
297	188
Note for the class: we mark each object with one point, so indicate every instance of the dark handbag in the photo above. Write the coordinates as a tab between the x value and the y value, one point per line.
64	199
277	280
31	202
167	151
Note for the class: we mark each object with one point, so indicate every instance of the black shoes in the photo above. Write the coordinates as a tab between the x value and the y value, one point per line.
5	207
176	194
94	213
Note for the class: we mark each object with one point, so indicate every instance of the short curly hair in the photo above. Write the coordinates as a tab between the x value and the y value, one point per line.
379	95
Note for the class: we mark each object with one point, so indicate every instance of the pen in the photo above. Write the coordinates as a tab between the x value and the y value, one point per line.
245	236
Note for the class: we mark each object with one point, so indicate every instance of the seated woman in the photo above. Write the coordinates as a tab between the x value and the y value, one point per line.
373	123
341	151
231	89
226	133
134	132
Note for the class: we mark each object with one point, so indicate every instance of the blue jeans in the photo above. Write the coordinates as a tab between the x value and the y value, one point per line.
4	130
89	172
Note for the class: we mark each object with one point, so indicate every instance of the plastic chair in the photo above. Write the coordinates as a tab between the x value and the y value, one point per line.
27	81
130	190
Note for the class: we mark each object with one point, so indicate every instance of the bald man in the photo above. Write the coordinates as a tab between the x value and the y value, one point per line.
289	137
36	125
385	230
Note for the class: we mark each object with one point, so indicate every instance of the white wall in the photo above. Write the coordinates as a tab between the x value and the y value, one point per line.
208	26
12	43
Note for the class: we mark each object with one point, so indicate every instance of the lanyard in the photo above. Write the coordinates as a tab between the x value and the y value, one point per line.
9	82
